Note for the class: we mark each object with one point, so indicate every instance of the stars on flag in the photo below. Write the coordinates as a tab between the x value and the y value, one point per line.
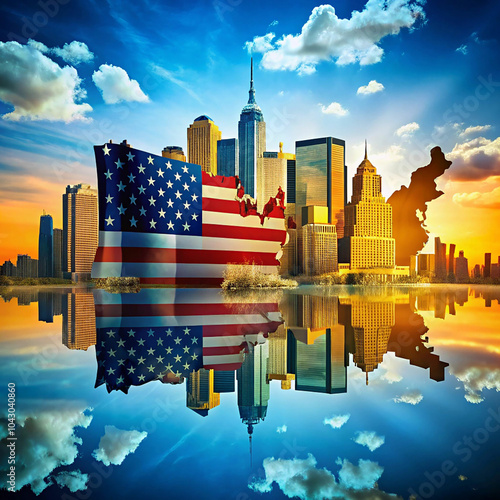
144	206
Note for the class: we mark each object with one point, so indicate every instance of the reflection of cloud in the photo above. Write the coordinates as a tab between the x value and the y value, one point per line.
371	88
369	439
73	480
391	377
326	37
281	429
474	130
412	398
337	421
476	379
300	478
116	86
116	444
44	442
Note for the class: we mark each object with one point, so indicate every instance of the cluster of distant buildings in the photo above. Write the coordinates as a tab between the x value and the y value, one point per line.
326	232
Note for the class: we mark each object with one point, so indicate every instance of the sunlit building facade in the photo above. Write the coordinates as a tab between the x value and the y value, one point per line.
80	228
368	241
251	142
320	178
200	394
202	137
174	153
78	325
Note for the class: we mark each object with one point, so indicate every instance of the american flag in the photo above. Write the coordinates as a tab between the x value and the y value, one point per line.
148	335
167	222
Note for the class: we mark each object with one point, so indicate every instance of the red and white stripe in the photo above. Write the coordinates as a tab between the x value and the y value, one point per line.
227	237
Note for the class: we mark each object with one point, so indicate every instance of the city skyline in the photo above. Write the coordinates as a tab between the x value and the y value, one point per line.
450	104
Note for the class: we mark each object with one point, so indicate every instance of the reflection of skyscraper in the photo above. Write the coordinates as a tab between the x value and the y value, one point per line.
46	306
253	389
202	137
319	360
251	141
277	363
45	247
80	228
200	395
368	241
227	157
372	323
224	381
320	178
79	327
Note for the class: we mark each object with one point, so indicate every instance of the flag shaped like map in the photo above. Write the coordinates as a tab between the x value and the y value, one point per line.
159	332
168	222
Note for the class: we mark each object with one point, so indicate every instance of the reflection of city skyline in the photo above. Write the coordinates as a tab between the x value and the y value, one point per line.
310	351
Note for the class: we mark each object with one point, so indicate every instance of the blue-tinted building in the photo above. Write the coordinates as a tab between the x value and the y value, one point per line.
251	141
227	157
45	247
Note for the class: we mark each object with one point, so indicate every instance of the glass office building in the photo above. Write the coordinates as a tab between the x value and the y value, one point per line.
227	157
320	178
45	247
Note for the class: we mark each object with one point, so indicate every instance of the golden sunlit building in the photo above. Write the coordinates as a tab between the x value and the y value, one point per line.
368	243
79	329
200	395
320	178
202	137
80	228
318	242
277	362
174	153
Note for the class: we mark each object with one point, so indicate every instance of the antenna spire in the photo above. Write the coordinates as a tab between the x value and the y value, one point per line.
251	92
366	151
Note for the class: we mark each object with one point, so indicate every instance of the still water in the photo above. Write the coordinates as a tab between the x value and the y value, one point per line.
310	393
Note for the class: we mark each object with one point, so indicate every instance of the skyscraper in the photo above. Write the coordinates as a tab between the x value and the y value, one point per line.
251	141
58	252
368	241
487	265
200	394
202	137
227	157
451	259
440	258
78	325
320	178
80	228
461	267
26	266
45	247
174	153
271	178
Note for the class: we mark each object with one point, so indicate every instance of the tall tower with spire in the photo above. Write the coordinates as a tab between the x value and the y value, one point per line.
251	140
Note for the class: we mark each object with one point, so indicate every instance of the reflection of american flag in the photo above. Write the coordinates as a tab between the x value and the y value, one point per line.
144	336
166	221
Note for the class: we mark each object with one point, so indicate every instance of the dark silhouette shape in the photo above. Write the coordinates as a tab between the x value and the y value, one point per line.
407	229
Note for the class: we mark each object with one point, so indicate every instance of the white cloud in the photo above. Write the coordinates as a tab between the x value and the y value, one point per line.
407	130
73	480
334	108
412	398
260	43
302	479
370	439
45	441
74	52
490	199
372	87
37	87
326	37
463	49
116	444
391	377
337	421
475	130
475	160
477	378
116	86
281	429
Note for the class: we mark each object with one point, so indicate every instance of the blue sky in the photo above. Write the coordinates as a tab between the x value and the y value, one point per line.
148	68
